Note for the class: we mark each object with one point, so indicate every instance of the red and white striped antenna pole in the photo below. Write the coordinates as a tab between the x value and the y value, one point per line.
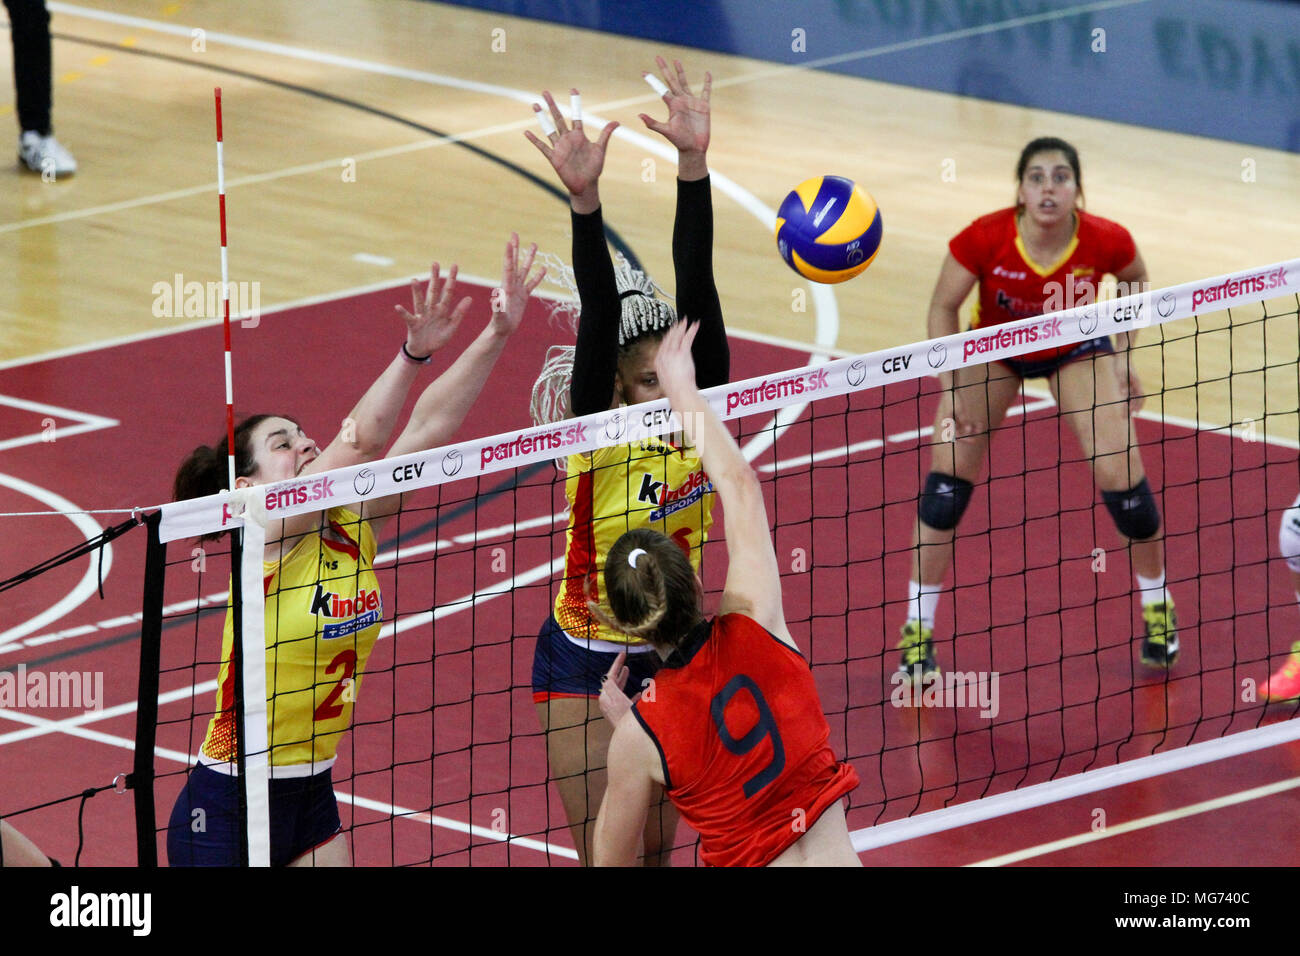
225	300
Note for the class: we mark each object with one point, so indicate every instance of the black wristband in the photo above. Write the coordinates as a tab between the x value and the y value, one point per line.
415	358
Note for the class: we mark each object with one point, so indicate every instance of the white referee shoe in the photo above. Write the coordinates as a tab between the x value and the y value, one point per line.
45	155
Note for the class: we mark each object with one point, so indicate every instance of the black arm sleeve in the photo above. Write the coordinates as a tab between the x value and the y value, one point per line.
697	295
595	359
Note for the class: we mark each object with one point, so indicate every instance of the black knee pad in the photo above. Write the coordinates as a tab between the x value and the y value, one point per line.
944	500
1134	511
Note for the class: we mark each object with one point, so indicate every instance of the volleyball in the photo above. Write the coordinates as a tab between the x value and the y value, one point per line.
828	229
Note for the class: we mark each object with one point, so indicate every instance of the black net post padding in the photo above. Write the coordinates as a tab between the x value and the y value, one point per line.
146	714
237	662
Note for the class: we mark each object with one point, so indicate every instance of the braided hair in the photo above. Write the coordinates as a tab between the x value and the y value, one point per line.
651	589
643	315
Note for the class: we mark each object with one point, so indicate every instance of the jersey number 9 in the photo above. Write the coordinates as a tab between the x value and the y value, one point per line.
765	728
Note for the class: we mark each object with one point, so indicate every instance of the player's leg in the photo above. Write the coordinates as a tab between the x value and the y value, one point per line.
334	852
1285	684
967	414
1095	406
17	850
577	749
305	824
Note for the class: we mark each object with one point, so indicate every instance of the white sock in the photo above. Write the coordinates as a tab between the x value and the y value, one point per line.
921	606
1153	589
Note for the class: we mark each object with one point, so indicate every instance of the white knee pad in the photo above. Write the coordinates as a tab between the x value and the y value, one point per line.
1288	537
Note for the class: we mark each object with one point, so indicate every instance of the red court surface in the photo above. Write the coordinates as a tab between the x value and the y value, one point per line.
445	730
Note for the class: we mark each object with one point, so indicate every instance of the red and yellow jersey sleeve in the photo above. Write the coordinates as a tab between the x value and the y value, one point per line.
651	484
323	614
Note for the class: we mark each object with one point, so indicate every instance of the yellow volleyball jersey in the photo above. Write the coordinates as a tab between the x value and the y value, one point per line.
323	613
651	484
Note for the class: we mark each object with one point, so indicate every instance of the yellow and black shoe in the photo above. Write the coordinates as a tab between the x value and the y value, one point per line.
917	660
1160	646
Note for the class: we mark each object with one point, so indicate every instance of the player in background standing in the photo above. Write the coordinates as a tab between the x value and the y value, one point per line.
1022	258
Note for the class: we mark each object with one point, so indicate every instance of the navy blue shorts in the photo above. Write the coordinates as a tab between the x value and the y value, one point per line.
1046	367
304	815
563	669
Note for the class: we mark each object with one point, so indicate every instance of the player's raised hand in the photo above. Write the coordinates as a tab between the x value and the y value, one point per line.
688	123
674	364
433	318
577	160
510	300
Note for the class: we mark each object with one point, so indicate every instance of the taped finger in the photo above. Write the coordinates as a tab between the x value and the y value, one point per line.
656	84
548	127
575	109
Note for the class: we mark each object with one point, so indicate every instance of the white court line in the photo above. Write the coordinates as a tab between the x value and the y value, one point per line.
1075	785
398	283
846	450
86	422
89	582
92	716
388	809
825	304
1205	806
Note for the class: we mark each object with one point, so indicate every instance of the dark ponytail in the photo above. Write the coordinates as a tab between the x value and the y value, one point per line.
654	596
203	472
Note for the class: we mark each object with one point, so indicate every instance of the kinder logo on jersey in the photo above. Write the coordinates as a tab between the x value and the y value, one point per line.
290	495
1234	287
1008	338
527	444
353	613
778	388
1016	307
672	500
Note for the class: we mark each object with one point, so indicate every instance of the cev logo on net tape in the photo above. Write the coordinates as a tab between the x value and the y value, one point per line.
752	396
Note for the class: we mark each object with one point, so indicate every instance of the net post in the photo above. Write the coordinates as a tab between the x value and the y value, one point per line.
249	647
146	714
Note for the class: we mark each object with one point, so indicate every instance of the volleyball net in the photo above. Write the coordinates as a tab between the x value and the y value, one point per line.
1041	693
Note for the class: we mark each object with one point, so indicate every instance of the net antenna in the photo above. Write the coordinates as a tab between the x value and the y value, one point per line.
249	645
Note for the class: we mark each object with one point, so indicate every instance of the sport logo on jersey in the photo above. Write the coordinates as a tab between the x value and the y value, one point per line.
672	500
354	614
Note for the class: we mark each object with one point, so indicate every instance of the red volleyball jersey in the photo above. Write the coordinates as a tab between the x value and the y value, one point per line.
1014	286
742	737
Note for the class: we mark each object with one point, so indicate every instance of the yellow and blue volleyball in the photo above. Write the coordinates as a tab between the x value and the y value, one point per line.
828	229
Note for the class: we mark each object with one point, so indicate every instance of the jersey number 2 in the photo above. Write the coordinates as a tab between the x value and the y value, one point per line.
329	709
765	728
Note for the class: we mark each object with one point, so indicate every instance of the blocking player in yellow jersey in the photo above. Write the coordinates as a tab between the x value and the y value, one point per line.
659	483
323	604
